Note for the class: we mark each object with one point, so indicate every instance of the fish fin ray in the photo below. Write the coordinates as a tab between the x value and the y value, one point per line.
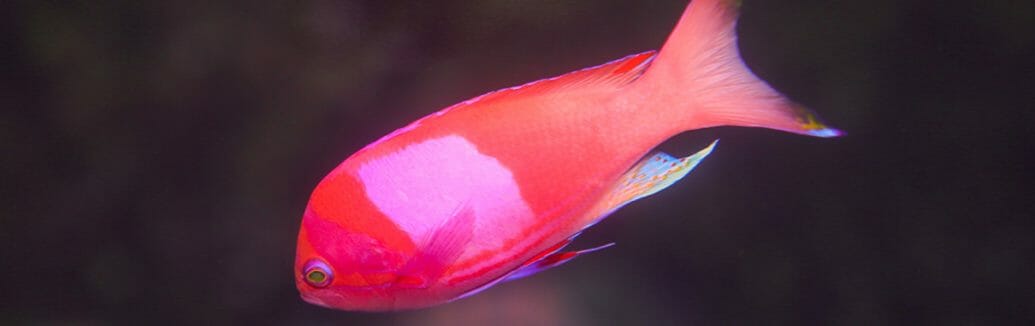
442	248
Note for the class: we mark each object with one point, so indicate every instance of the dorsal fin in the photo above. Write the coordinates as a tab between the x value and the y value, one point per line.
610	75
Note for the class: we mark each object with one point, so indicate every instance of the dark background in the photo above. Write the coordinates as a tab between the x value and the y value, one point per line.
158	155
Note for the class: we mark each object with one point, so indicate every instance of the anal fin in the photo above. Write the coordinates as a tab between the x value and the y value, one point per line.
651	175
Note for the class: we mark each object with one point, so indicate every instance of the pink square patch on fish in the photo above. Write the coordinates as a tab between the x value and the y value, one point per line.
422	184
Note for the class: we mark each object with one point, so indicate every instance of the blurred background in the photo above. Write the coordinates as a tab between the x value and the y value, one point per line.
158	155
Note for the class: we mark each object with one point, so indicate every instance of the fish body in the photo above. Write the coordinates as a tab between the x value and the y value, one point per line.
493	188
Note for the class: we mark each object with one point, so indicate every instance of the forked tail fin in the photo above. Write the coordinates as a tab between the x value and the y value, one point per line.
699	79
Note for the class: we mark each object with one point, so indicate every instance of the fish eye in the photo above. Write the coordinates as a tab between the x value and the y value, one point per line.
317	274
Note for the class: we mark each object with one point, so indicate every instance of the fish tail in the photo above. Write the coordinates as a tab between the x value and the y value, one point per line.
700	78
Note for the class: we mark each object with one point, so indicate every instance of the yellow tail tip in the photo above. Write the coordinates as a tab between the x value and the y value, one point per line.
813	126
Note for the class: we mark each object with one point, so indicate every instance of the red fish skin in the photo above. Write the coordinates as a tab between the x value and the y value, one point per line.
557	191
565	141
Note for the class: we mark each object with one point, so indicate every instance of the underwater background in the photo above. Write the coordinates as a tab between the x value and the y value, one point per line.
158	155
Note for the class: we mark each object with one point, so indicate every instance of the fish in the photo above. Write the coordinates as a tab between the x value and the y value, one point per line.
494	188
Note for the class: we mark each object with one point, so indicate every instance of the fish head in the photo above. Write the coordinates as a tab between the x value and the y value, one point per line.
348	254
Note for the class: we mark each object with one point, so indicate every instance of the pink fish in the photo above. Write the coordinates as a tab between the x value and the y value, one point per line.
493	188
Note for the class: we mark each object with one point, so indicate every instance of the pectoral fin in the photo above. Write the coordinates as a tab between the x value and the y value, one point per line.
441	249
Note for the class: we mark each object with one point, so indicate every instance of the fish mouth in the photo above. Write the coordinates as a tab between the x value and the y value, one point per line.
314	300
338	301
